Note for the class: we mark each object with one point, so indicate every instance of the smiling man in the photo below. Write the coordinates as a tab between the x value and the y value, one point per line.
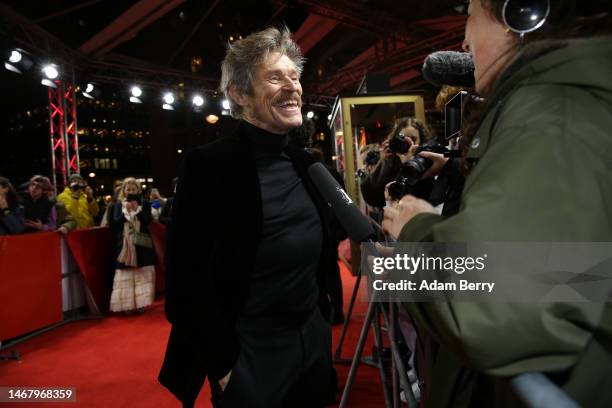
245	274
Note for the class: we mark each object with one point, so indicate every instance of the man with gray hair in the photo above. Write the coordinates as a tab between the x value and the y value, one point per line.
243	295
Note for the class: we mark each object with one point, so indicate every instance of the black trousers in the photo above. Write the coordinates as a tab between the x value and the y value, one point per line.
279	367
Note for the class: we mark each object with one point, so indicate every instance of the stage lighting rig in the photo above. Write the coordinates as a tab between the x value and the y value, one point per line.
136	94
168	101
18	61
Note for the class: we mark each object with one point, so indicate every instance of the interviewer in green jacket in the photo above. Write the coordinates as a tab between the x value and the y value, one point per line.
543	153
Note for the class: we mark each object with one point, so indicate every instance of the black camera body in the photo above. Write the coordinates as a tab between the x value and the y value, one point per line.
134	197
372	157
399	188
413	169
399	145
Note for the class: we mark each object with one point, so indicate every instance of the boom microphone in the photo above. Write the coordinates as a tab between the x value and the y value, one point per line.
449	68
356	224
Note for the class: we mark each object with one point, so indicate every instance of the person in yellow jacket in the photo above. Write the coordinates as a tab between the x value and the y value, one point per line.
79	200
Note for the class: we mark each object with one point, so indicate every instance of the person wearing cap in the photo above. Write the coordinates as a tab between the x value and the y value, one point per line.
79	201
39	209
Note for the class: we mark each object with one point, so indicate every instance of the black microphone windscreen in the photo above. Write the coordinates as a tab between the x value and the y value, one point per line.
356	224
449	68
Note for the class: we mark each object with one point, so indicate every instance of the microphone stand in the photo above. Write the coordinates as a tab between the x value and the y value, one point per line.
375	311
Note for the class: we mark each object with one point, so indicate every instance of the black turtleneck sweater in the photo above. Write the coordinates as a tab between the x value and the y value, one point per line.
284	279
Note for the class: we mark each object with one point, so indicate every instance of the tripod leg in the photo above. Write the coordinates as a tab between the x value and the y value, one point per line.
347	319
391	324
358	352
379	345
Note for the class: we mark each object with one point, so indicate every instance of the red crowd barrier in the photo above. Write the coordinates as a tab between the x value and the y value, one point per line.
93	252
31	276
30	283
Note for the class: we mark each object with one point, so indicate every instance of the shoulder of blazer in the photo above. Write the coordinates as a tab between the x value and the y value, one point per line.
299	156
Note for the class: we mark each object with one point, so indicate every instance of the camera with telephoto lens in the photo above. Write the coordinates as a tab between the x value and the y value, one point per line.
399	188
372	157
400	144
413	169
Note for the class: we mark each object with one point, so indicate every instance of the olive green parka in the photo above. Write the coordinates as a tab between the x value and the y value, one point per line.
543	173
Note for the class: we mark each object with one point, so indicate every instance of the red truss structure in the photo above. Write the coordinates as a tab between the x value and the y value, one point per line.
58	139
63	133
70	125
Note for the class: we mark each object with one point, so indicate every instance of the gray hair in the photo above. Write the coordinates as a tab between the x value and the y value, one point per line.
246	54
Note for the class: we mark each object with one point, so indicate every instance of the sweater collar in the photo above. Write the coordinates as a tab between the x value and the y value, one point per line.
262	140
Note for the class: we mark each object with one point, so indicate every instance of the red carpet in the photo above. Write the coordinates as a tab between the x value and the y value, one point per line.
113	362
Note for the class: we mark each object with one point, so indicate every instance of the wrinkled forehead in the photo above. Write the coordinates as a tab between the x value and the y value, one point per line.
276	62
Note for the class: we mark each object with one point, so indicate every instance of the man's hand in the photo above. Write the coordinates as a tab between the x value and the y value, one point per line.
132	205
35	224
89	192
439	161
62	230
3	203
223	382
404	211
385	152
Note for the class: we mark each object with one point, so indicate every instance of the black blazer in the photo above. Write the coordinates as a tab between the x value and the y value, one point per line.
213	239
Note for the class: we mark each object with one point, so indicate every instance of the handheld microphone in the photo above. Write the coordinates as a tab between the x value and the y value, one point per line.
449	68
355	223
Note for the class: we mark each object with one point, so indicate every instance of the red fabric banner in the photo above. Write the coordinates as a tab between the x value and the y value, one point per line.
30	283
93	252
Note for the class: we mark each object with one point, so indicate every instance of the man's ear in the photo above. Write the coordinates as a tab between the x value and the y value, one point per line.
238	97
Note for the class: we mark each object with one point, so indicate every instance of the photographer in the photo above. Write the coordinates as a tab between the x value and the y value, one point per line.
134	281
407	134
11	212
539	163
79	200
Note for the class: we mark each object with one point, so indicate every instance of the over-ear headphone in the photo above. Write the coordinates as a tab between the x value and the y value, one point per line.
525	16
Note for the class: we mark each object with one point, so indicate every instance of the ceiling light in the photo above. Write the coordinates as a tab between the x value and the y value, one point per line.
198	100
50	71
136	91
15	57
169	98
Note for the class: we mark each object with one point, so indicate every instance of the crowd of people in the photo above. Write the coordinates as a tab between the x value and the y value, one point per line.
33	207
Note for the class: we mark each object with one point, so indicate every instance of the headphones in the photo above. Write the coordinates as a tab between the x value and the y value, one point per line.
525	16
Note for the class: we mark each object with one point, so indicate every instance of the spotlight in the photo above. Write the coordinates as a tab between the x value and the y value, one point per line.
18	61
136	92
92	175
169	98
198	100
167	106
91	91
50	71
329	117
212	119
310	115
15	57
225	104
